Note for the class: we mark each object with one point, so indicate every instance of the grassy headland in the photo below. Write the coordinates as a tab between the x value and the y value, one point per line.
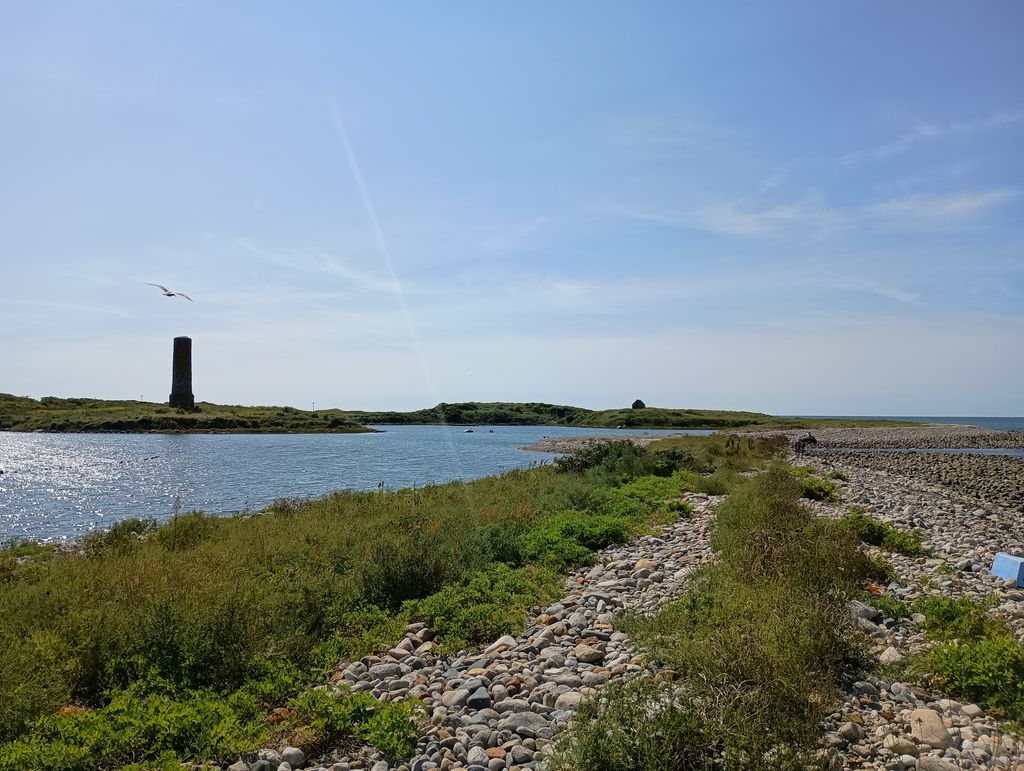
89	415
537	413
200	638
98	415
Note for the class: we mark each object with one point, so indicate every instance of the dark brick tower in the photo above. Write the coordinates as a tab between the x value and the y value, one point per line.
181	376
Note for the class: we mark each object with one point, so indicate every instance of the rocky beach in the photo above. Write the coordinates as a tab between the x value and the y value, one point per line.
931	436
504	705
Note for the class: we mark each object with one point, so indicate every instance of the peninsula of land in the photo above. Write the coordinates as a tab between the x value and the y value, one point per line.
83	415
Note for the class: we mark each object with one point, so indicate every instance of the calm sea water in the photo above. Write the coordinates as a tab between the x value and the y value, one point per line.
61	486
998	424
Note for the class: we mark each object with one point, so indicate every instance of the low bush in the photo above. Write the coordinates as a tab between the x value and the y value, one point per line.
961	618
640	727
137	726
882	534
988	671
488	605
322	718
569	538
888	606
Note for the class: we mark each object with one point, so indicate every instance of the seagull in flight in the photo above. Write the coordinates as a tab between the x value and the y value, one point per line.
168	293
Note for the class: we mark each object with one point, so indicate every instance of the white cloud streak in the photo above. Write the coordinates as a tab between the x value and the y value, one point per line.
812	218
928	132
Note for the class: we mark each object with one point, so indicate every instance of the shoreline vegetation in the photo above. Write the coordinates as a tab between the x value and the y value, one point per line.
83	415
205	639
202	638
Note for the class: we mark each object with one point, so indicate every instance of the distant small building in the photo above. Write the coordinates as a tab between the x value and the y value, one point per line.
638	405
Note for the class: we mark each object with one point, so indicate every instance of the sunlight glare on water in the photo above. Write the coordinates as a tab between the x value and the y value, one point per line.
61	486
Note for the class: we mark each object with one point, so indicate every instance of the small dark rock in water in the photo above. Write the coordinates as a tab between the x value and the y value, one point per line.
639	405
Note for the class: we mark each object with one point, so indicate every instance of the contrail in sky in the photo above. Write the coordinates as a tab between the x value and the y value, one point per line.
382	244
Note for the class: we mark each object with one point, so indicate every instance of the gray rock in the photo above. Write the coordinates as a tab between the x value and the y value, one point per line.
891	656
479	699
456	698
851	732
569	700
293	756
526	724
477	756
239	766
384	671
928	763
927	727
588	654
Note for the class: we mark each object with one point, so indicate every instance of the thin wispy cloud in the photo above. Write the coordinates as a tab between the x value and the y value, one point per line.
873	287
322	263
673	135
812	218
734	218
927	132
69	307
939	208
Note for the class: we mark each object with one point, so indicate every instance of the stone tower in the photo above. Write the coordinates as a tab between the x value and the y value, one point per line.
181	374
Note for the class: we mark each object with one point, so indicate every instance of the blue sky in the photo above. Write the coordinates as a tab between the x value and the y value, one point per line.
796	207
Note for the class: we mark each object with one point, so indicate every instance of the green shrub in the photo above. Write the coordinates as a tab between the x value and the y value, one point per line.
490	604
124	534
882	534
137	725
328	718
988	671
569	538
639	728
818	489
947	618
889	606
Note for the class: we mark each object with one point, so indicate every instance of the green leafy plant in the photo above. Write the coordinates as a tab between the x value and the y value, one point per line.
882	534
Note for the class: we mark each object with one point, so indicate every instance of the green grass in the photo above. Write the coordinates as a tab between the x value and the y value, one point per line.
883	534
96	415
976	657
230	618
814	487
757	645
888	606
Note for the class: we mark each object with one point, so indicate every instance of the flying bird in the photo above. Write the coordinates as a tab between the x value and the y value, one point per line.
168	293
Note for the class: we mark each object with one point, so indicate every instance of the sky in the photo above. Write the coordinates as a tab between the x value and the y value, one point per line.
792	207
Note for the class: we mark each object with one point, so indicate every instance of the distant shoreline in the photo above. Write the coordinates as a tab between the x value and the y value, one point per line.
83	415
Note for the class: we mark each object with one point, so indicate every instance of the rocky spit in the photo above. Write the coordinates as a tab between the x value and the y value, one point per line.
500	707
989	480
935	436
885	722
